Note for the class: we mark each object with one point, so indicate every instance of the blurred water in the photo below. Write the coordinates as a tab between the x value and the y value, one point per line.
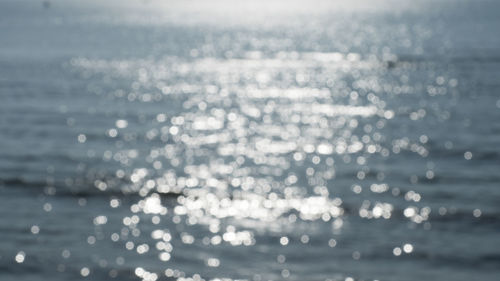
268	140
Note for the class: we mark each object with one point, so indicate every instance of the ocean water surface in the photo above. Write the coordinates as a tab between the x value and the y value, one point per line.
261	140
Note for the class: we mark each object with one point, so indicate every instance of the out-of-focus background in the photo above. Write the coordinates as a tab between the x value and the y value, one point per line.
249	140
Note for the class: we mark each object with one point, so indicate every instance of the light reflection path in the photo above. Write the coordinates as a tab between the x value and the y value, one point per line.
254	147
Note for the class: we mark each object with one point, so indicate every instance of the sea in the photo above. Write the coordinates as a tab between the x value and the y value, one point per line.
249	140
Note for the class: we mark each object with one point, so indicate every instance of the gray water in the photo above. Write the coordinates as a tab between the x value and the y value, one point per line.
268	140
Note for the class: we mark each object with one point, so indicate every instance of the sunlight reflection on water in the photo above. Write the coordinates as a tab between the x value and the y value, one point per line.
234	155
207	140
